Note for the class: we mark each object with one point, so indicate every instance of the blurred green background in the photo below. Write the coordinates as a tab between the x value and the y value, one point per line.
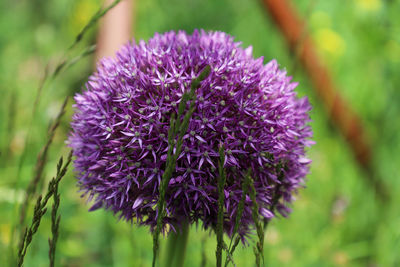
336	220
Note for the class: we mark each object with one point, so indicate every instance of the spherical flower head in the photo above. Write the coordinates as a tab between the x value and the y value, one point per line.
120	131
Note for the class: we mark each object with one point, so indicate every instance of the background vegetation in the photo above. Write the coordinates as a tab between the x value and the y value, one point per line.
336	221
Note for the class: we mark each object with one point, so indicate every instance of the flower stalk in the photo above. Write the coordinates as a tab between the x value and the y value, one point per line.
180	128
259	248
177	243
232	245
221	197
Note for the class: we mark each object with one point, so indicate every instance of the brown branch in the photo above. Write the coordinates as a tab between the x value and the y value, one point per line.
115	28
339	111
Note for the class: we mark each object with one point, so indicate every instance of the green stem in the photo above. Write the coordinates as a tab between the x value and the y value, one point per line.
177	247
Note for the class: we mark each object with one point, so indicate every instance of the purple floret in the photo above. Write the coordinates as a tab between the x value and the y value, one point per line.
120	131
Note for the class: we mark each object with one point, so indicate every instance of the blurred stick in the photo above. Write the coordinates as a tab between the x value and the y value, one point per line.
339	111
115	28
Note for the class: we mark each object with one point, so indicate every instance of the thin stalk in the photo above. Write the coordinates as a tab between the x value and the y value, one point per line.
40	210
177	243
259	248
234	242
203	251
40	164
221	198
175	135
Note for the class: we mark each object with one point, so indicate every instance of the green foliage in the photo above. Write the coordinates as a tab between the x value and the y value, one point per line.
336	220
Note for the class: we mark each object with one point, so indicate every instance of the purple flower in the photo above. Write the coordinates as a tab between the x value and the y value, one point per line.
120	131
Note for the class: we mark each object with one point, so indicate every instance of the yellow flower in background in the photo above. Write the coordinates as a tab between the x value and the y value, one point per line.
5	233
330	42
369	5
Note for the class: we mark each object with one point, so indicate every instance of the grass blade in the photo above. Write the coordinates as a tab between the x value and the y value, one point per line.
232	247
259	248
40	164
40	209
93	20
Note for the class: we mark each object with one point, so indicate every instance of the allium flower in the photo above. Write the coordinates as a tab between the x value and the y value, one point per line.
121	124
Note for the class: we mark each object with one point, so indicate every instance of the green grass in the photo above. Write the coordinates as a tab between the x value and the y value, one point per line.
336	220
